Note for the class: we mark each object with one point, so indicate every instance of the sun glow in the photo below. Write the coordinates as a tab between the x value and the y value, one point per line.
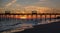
23	17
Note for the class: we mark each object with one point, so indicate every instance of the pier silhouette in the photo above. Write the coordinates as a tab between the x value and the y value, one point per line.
27	14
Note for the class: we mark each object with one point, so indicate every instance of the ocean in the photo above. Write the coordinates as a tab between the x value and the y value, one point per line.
15	25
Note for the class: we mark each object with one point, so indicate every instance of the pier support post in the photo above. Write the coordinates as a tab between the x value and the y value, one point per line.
45	18
55	17
41	18
50	17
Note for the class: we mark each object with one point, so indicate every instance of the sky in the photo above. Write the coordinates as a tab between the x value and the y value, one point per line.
41	3
24	3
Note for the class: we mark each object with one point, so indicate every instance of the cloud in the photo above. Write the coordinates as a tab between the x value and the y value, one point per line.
44	3
43	0
37	8
9	4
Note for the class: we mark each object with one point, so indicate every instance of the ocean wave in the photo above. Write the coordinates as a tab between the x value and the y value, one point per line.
20	25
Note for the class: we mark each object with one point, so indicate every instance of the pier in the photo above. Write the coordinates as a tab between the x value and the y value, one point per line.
32	15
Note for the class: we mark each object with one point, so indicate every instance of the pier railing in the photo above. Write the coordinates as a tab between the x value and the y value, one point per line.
31	14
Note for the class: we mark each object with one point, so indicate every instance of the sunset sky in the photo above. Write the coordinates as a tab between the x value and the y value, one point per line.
20	4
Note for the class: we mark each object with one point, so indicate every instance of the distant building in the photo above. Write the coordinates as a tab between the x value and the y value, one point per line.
7	12
34	12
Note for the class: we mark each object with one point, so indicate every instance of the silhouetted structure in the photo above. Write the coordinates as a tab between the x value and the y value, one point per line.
7	12
34	12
